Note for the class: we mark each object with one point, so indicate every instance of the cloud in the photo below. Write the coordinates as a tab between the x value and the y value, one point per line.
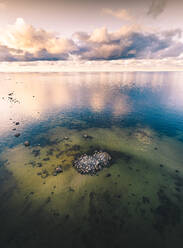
23	42
35	43
121	14
157	7
128	43
8	54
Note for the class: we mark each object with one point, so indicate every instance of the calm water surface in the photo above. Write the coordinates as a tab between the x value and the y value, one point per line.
136	117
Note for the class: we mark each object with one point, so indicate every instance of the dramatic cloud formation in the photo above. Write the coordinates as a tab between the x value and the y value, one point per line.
28	43
23	42
157	7
128	43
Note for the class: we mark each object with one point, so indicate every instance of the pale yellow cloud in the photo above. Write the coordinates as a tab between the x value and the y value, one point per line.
26	38
99	35
121	14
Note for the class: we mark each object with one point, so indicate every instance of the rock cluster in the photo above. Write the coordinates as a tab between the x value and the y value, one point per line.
57	171
91	164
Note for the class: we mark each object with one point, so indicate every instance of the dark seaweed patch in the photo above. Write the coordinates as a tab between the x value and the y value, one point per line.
36	152
43	142
59	154
50	152
46	159
3	162
167	213
145	200
33	163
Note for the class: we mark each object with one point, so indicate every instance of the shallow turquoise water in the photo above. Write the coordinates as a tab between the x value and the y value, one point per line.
136	117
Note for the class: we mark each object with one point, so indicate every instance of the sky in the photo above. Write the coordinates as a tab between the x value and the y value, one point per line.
85	35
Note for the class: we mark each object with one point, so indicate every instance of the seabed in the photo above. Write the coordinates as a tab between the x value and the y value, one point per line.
136	202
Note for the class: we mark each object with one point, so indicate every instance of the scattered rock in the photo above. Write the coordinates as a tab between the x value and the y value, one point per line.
39	165
26	143
86	136
58	169
91	164
44	174
17	135
66	138
46	159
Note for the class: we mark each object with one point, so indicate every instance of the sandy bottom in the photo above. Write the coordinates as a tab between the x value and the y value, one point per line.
137	202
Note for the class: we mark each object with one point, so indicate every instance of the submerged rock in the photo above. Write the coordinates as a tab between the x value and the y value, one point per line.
17	135
91	164
86	136
57	171
26	143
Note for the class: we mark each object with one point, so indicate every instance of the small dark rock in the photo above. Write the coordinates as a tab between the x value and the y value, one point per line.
39	164
58	169
108	175
26	143
17	123
46	159
86	136
17	135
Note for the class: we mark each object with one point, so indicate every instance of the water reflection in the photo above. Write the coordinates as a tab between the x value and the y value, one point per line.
35	96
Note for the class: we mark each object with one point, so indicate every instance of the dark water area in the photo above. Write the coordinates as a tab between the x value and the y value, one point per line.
137	118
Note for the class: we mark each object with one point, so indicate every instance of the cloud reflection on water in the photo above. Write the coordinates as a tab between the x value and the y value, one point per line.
41	95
